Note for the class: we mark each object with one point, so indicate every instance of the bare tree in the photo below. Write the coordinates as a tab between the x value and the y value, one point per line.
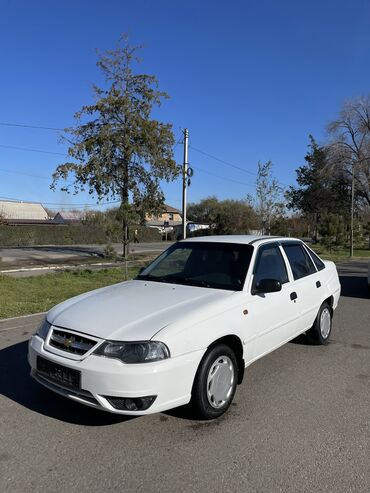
269	194
350	144
349	149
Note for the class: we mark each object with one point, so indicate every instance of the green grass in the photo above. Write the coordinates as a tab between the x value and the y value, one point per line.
26	295
339	254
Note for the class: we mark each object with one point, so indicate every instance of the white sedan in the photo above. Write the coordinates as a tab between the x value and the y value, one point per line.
186	327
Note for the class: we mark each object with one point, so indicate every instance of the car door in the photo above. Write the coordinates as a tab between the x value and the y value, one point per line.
271	316
307	284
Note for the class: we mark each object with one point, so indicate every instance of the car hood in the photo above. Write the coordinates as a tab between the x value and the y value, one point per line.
132	310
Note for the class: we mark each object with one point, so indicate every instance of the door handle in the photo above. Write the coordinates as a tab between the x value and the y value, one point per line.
293	296
318	284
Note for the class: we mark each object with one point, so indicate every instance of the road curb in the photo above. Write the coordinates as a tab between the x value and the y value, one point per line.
59	267
21	316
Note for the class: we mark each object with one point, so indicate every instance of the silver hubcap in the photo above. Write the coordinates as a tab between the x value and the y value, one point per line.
325	323
220	382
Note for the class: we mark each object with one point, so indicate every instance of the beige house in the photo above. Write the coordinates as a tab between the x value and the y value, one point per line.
169	215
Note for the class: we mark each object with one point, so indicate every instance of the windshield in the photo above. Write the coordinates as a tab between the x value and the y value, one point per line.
206	264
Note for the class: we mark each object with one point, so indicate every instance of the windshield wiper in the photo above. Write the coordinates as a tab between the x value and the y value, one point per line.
175	280
197	282
169	279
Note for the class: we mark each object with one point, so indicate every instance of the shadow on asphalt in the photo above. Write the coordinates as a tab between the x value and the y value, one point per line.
354	286
17	384
61	249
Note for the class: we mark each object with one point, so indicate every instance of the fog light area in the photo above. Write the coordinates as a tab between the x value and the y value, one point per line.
131	403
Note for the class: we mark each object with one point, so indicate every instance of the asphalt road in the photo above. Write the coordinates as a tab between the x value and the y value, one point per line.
55	253
32	261
299	423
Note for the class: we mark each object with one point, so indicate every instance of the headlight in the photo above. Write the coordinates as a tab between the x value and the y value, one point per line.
43	330
134	352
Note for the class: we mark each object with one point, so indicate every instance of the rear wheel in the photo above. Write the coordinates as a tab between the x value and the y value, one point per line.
215	382
321	329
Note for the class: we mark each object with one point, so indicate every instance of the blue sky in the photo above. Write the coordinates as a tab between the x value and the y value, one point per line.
250	79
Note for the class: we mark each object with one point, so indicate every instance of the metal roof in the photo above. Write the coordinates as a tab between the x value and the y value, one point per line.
71	215
10	210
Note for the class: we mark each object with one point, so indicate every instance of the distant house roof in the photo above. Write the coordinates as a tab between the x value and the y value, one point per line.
69	216
18	212
168	208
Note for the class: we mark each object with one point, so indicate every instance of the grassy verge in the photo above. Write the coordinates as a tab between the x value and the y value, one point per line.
340	254
76	261
22	296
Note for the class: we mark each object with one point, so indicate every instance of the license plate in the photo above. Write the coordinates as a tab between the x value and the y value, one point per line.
59	374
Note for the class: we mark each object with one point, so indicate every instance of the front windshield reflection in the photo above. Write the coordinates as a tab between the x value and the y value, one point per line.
205	264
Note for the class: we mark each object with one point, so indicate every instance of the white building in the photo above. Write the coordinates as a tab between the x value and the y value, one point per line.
13	212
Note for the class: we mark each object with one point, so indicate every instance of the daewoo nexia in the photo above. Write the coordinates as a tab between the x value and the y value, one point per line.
183	331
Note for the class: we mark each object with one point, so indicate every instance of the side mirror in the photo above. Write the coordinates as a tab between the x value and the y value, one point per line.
141	270
267	286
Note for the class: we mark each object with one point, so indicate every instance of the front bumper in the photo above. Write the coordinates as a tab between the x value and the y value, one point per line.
171	380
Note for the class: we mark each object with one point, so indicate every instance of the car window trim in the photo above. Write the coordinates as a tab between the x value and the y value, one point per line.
309	251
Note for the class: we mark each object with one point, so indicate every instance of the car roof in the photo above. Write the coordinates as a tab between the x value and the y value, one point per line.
242	239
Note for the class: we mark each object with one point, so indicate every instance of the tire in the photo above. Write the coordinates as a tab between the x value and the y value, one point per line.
215	383
321	329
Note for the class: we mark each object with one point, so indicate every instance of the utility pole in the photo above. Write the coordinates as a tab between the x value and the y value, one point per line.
185	181
352	209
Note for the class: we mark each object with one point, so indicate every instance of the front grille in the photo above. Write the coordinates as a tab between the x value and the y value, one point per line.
82	395
71	343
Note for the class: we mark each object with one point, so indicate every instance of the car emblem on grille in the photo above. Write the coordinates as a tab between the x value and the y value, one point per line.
68	342
65	341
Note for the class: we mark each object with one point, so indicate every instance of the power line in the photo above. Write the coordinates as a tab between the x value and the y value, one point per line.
227	163
40	177
223	177
5	124
49	152
15	172
221	161
33	150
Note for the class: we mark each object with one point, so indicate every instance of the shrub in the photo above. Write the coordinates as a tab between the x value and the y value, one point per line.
71	234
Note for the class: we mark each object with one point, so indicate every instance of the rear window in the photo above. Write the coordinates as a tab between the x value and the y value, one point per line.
317	260
299	260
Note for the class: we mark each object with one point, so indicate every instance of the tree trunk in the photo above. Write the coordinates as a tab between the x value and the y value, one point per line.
316	232
124	208
125	239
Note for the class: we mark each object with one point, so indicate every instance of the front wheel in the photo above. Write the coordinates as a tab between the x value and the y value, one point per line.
215	382
321	329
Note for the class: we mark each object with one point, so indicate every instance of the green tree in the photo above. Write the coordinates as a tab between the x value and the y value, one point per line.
321	190
226	216
366	232
269	197
332	231
118	149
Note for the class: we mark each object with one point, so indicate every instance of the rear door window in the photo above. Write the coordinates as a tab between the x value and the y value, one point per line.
299	260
